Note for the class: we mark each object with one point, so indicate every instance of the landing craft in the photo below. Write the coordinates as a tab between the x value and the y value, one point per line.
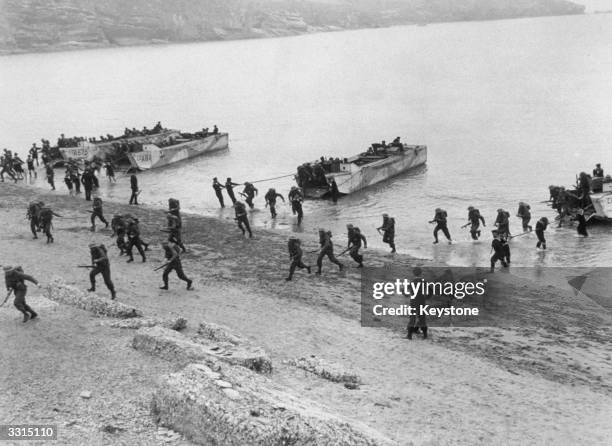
359	171
597	205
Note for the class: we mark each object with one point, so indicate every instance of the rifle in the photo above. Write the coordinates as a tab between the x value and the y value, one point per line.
344	252
466	225
163	266
519	235
85	266
7	296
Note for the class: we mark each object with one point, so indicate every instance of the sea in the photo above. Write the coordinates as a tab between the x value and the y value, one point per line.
506	109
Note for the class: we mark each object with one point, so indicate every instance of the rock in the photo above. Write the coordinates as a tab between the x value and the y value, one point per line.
60	292
177	324
326	370
261	413
85	394
223	384
175	347
232	394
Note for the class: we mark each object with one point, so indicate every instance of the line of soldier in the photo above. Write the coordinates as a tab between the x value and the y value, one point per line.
295	197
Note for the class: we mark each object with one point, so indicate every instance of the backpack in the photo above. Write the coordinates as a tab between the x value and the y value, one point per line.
46	214
11	278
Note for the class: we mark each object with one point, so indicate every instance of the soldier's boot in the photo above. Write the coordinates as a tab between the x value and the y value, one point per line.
424	330
189	282
26	317
410	331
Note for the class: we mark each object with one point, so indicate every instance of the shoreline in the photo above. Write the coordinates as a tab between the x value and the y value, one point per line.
554	364
266	35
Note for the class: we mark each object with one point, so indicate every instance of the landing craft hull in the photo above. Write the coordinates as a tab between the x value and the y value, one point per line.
602	203
106	150
354	177
153	157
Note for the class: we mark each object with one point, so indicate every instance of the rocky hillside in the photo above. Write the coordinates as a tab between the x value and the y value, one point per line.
40	25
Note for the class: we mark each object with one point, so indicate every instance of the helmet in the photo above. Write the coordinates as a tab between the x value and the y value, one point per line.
349	226
470	208
385	215
438	209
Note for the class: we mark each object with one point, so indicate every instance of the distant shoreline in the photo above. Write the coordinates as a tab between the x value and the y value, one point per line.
272	34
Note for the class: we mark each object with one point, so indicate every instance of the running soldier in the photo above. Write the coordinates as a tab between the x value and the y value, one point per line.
388	228
503	222
499	251
295	254
524	213
50	175
119	228
474	219
541	226
440	218
15	278
101	265
270	198
172	254
33	215
249	192
97	212
241	218
31	168
296	198
133	235
355	237
46	222
327	249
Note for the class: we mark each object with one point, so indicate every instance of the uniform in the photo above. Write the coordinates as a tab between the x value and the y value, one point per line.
97	212
499	252
242	219
229	187
296	197
327	249
503	222
295	254
474	219
171	252
524	213
46	222
218	191
541	226
119	227
249	192
270	198
441	225
355	237
388	228
33	215
133	234
99	259
416	320
134	187
14	279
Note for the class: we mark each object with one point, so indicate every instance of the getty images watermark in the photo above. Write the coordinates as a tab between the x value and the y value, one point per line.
471	296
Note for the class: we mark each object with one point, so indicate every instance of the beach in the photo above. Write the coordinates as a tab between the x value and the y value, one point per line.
546	380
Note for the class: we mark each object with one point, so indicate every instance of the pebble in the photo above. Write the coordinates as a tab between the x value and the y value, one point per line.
86	394
223	384
232	394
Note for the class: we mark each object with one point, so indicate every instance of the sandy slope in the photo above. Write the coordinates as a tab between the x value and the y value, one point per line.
547	382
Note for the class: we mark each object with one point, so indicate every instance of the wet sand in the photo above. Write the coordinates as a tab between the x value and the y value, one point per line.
546	381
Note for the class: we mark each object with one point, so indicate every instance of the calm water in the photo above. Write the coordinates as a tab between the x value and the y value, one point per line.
506	108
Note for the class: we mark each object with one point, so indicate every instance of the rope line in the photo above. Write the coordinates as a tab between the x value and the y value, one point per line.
274	178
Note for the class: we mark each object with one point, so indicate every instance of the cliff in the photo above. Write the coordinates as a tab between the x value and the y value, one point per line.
42	25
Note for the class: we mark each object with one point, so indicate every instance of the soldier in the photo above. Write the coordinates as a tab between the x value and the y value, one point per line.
441	225
174	230
74	176
31	168
270	198
295	254
110	171
355	237
88	180
327	249
68	182
541	226
499	251
14	279
50	175
133	234
296	198
474	219
33	215
218	191
174	207
503	222
241	218
582	223
333	190
524	213
417	319
249	192
388	228
101	265
229	188
46	221
171	252
119	228
97	212
134	187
